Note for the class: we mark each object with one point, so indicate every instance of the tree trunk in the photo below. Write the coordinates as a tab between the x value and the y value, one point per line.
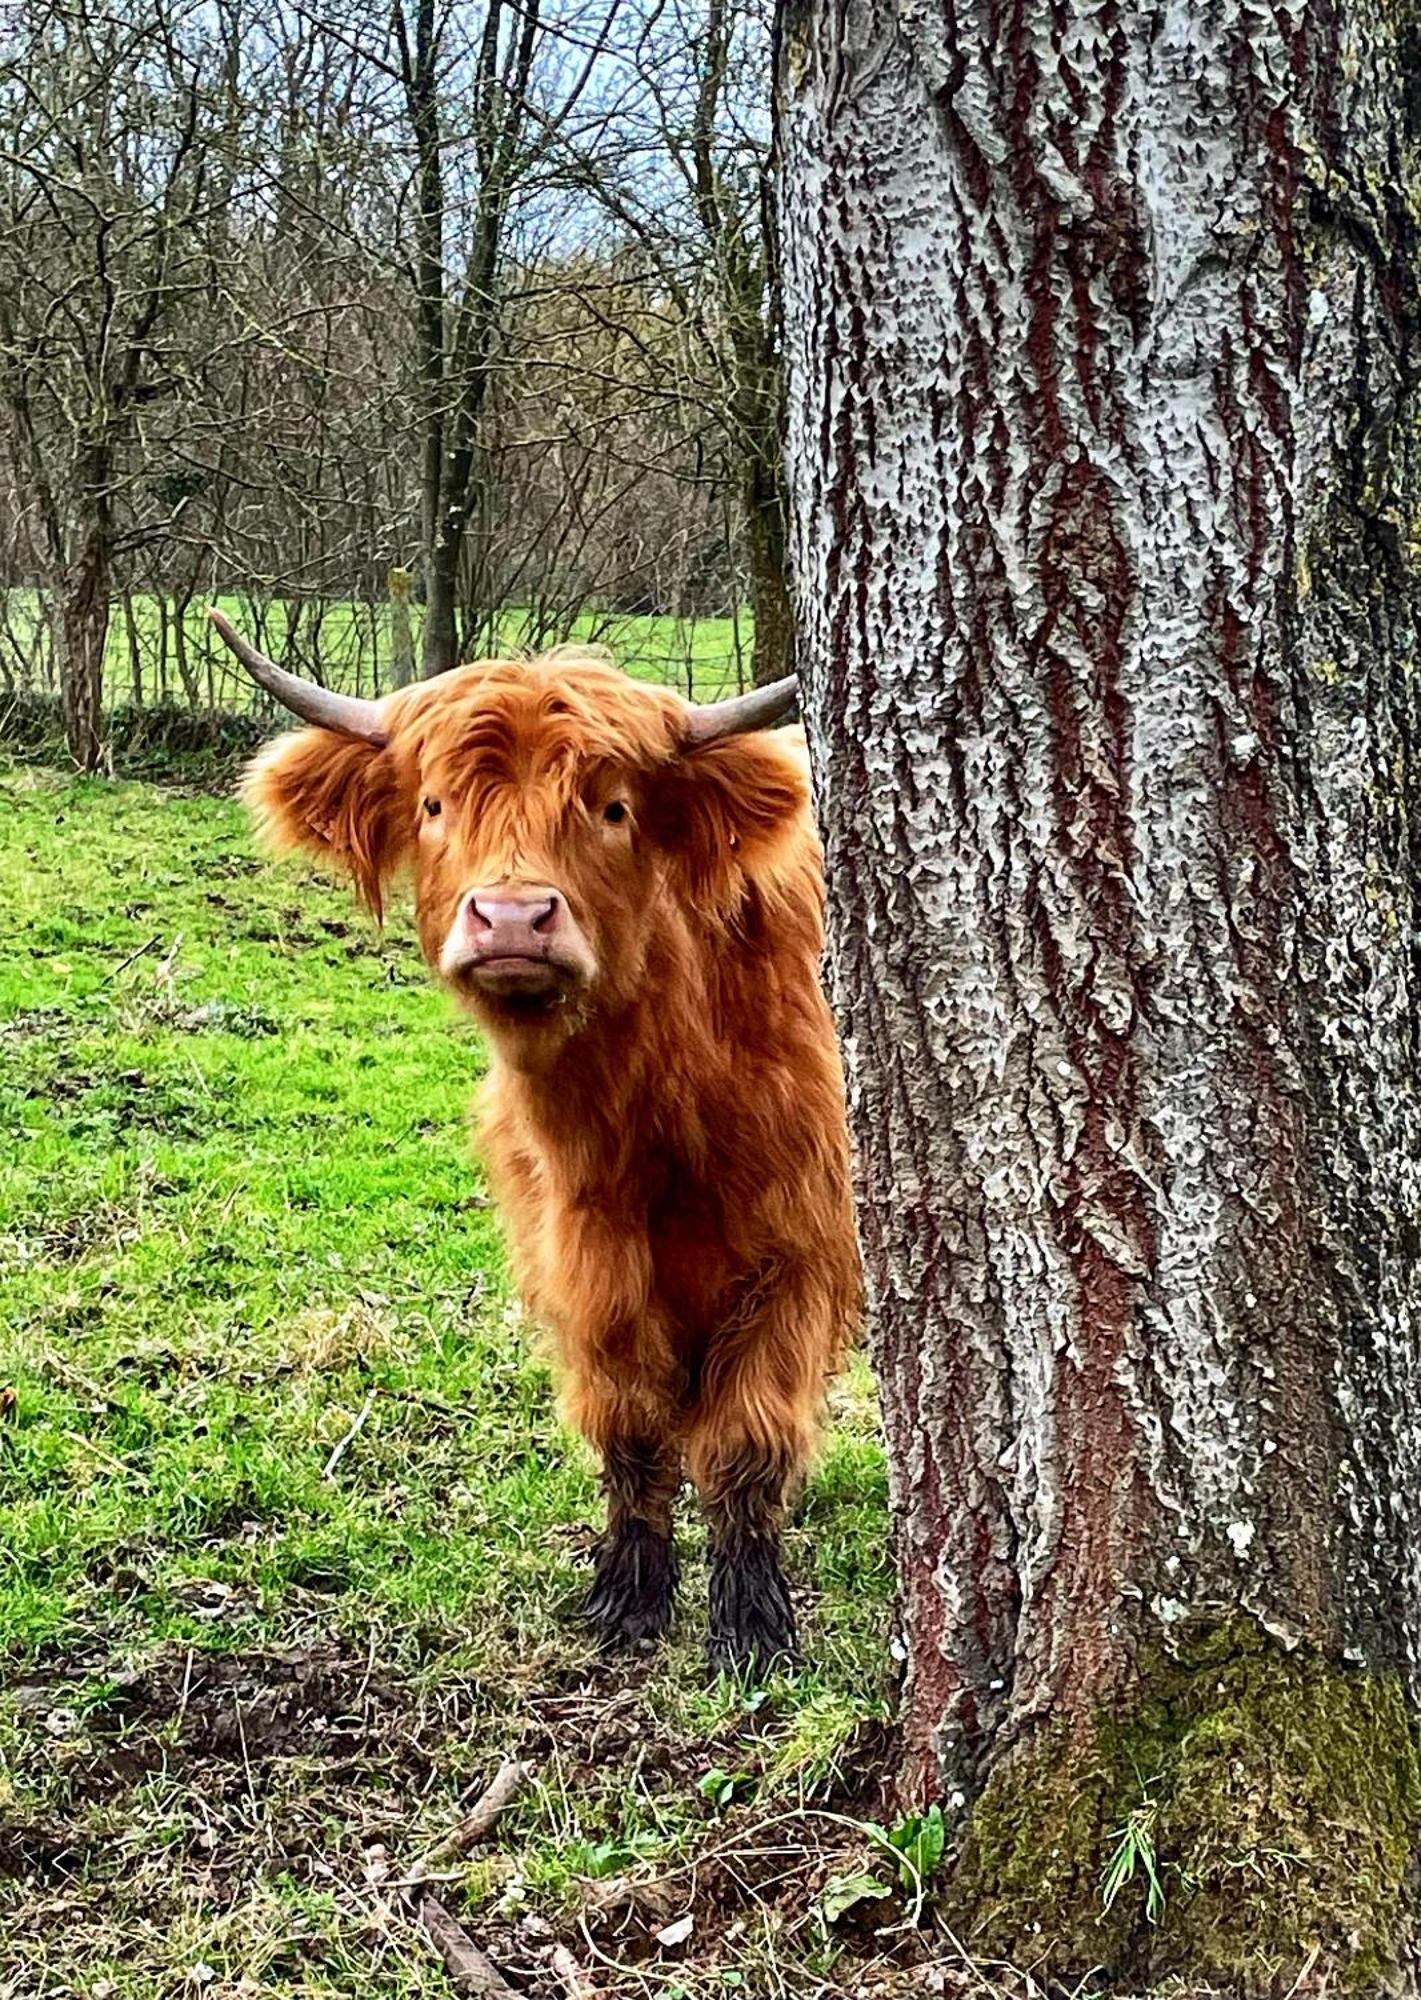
439	633
187	675
773	654
135	649
398	582
1102	438
81	628
420	72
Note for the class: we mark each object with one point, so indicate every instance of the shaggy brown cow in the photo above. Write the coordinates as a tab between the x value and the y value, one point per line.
625	891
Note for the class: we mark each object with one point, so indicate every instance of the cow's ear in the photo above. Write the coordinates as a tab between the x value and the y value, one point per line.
732	809
346	801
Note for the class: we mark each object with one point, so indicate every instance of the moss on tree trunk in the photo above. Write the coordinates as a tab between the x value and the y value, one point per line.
1275	1797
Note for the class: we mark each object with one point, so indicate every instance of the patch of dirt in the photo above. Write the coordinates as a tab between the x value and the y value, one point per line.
30	1022
45	1847
185	1712
245	1705
860	1785
325	1767
231	867
103	1228
212	1017
592	1725
104	1102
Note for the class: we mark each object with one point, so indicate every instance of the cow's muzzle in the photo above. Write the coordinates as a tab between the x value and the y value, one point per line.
512	943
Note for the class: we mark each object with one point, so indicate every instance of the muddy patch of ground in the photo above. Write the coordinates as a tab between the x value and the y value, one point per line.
188	1708
200	1782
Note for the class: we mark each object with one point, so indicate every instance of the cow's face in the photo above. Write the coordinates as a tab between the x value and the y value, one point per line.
556	824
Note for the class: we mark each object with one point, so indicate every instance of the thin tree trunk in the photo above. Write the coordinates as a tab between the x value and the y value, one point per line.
439	633
1102	443
773	653
135	649
187	674
420	75
161	599
401	634
81	627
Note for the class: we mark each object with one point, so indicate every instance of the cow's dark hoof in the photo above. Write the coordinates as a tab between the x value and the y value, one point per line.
752	1627
634	1588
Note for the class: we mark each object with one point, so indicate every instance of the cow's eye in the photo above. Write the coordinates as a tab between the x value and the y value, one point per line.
615	812
433	808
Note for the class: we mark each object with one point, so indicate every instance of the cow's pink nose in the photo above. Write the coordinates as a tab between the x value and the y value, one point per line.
516	925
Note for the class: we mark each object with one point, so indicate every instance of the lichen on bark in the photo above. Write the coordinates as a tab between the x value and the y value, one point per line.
1280	1795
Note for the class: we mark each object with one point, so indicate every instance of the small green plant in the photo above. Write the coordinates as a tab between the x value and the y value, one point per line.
913	1847
1132	1854
722	1788
920	1839
842	1893
916	1844
601	1858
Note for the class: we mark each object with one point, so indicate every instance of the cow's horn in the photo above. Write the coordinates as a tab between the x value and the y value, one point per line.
760	709
351	716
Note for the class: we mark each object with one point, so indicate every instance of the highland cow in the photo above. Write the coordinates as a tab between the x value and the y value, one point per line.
625	891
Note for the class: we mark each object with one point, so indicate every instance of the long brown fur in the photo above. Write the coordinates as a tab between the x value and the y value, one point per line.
669	1152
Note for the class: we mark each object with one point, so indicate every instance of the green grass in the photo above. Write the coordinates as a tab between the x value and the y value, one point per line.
247	1686
704	657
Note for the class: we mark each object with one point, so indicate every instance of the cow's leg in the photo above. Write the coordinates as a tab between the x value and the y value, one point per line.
636	1571
752	1626
759	1394
622	1388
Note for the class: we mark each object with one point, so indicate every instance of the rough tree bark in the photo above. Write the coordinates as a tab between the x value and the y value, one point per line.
1102	343
80	622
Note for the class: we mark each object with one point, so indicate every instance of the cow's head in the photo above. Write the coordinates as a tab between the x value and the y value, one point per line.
556	817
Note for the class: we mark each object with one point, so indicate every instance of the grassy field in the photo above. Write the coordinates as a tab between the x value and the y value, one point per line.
704	657
290	1537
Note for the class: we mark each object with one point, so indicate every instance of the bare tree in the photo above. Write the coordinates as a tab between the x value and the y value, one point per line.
105	180
505	92
734	204
685	177
1103	431
331	297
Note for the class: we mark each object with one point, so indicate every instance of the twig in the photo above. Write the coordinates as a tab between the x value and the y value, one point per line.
246	1760
107	1459
435	1404
1299	1985
124	963
181	1714
509	1782
421	1879
466	1965
577	1984
351	1435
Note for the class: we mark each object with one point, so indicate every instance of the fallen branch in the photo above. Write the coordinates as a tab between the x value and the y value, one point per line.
471	1971
509	1782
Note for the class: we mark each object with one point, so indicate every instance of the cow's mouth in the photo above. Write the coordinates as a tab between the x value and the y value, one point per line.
513	977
